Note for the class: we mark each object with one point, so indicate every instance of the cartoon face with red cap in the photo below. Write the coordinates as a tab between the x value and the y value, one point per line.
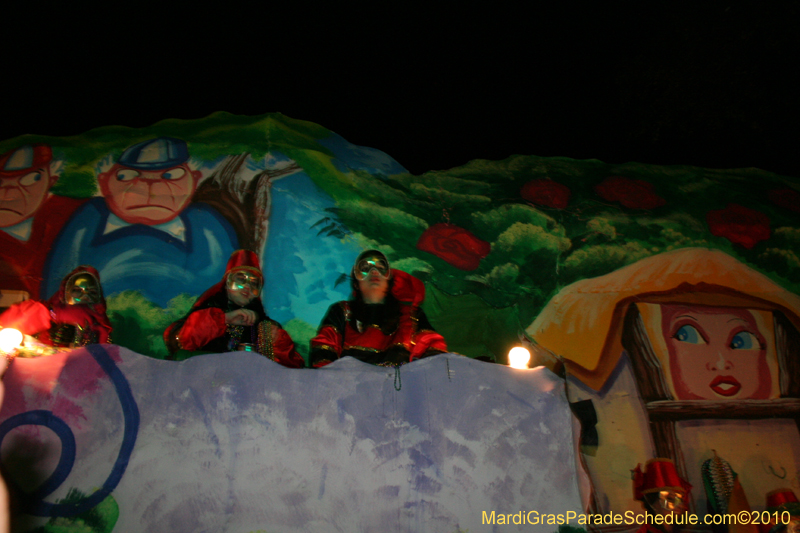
151	183
715	353
25	180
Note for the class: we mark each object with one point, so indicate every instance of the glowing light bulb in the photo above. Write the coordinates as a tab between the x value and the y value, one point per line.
10	338
519	357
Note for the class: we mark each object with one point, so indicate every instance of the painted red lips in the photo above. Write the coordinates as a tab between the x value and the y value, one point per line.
725	385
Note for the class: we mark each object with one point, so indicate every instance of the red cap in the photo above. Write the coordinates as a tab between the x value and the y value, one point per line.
24	159
779	497
779	501
243	260
659	474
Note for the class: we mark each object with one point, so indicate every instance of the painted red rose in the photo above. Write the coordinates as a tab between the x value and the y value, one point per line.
739	224
635	194
546	192
787	198
455	245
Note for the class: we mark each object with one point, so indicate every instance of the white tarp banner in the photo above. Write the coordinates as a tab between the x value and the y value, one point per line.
234	442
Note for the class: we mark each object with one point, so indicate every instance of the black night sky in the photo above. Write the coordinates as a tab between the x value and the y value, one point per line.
710	84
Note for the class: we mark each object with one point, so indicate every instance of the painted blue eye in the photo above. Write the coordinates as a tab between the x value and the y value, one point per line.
30	178
689	334
744	340
173	173
127	174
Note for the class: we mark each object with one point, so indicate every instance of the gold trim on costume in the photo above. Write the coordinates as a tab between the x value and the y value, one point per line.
325	347
364	348
265	340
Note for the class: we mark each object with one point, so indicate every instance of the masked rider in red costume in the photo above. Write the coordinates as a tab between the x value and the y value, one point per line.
230	316
382	323
74	316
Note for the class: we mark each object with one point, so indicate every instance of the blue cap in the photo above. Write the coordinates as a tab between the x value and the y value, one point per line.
155	154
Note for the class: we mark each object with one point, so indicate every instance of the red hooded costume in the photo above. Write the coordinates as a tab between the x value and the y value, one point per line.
204	328
56	322
392	333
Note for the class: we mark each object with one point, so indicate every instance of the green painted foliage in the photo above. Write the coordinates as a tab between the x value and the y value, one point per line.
372	220
446	199
100	519
139	324
365	243
490	224
503	278
783	262
301	332
786	237
570	529
443	182
522	240
602	259
414	265
81	183
672	239
367	187
602	226
470	326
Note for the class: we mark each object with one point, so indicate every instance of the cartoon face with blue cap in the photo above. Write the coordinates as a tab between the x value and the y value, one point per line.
25	180
151	183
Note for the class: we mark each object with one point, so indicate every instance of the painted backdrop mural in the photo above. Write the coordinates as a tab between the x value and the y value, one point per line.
492	240
665	297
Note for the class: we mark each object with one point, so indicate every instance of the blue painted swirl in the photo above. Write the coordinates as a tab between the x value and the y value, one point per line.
33	502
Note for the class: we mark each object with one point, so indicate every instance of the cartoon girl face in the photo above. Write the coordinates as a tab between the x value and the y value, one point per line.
715	353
